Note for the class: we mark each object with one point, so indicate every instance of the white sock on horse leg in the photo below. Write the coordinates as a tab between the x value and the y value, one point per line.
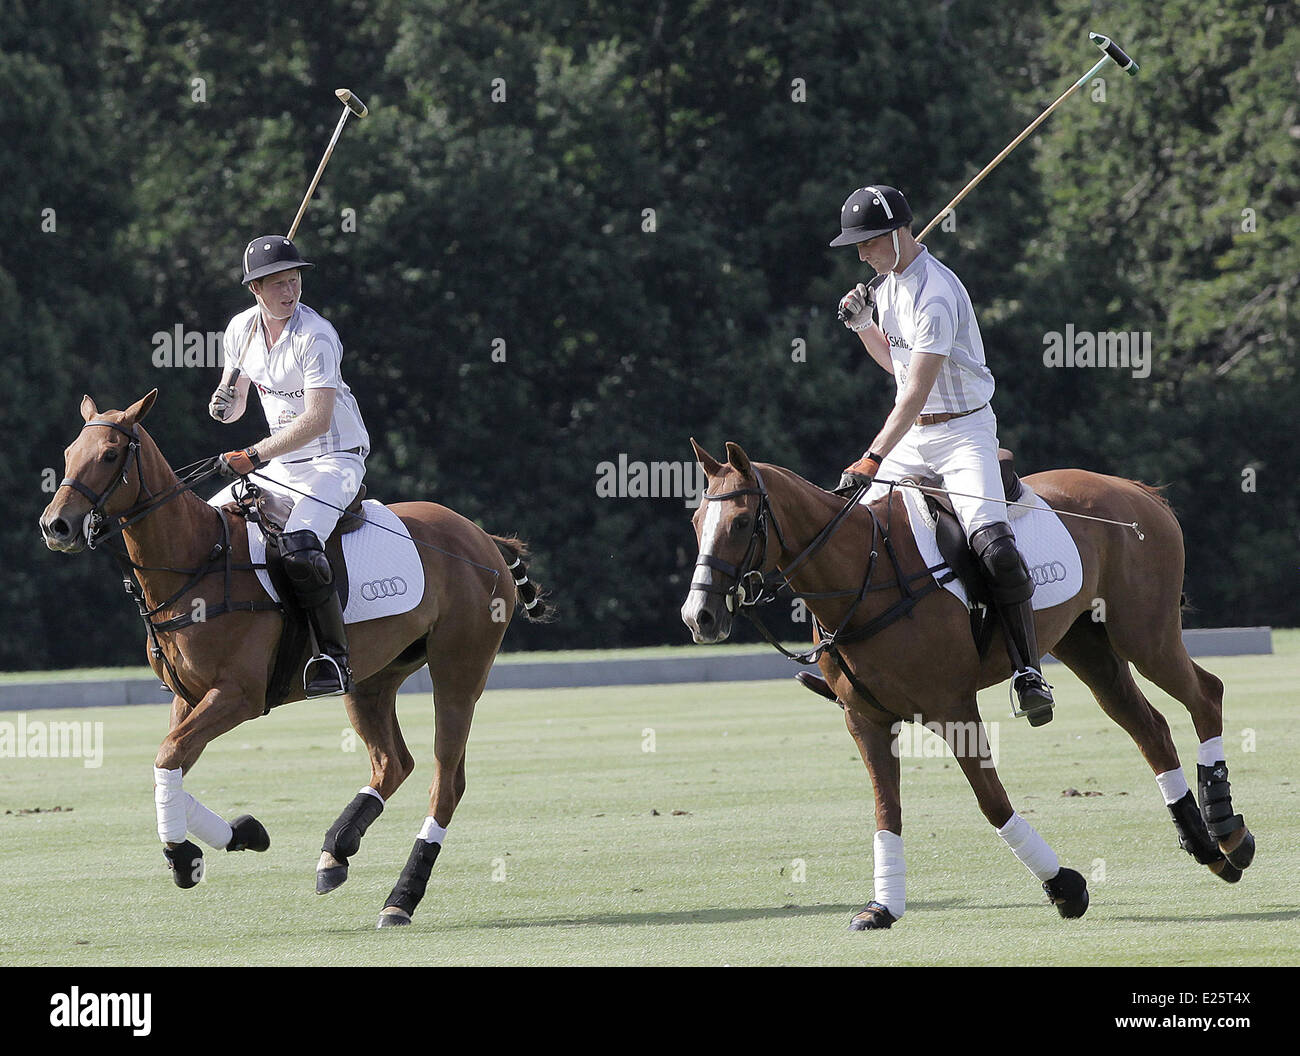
1173	785
208	826
169	799
1210	752
1032	850
891	871
432	832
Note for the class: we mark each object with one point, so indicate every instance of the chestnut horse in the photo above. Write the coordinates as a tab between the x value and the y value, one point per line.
893	648
189	557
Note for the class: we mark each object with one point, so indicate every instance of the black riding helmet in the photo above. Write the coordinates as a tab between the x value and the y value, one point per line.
267	254
872	211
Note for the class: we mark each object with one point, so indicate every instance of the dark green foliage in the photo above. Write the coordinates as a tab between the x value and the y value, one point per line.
454	226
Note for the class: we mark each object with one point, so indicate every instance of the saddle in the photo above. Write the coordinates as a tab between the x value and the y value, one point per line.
271	510
956	550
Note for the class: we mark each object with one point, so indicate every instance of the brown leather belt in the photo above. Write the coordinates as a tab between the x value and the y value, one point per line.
937	419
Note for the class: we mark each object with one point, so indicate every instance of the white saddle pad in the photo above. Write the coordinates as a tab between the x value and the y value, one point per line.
1041	536
385	576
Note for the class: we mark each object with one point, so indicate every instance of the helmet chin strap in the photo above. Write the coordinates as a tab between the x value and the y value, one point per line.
897	256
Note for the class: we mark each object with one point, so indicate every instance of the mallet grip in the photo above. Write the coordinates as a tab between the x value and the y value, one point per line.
1115	52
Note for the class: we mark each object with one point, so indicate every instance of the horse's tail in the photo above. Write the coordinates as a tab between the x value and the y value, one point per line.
536	607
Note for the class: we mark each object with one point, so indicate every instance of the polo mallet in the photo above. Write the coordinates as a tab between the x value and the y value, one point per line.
1110	51
351	105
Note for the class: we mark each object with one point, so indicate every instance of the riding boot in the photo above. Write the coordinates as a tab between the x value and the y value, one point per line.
1013	590
327	672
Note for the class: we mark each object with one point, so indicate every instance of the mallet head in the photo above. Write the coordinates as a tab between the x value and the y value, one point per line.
1115	52
351	102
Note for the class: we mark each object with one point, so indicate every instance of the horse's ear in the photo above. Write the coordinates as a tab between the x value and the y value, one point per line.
738	459
141	407
88	408
711	465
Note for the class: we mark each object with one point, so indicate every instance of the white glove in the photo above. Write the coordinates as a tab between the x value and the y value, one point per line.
222	400
855	307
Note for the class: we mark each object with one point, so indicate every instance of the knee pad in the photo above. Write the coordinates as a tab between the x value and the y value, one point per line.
307	566
1002	563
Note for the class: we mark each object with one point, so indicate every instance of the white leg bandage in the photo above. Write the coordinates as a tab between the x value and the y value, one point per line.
1210	752
208	826
891	872
1173	785
179	813
169	799
432	832
1030	848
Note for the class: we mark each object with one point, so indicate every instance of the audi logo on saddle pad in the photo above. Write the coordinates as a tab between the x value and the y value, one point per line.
1050	572
383	588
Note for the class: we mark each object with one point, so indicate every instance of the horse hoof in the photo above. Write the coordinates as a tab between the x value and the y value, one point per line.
1225	871
1239	849
248	834
872	917
185	861
1068	891
393	918
329	879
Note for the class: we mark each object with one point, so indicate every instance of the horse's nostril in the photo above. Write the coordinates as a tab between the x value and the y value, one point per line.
704	618
59	528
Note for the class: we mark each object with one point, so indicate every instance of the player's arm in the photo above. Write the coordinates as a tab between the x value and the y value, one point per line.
878	345
922	371
315	419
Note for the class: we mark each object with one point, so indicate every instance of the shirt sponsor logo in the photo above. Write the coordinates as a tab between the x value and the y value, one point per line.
296	395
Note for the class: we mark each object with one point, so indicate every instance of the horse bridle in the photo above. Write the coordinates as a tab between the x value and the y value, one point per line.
751	564
740	598
93	524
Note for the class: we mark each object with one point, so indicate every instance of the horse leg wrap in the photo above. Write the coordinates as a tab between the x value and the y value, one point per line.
415	877
1215	794
343	839
1192	834
185	860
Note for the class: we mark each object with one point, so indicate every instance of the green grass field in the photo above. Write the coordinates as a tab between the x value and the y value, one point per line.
569	847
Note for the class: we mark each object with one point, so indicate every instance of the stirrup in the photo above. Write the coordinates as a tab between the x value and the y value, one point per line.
1040	715
342	678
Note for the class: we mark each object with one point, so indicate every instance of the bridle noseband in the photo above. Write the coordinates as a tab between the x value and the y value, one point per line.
749	584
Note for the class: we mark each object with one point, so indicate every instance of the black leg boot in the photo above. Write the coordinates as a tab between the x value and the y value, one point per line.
1013	590
327	672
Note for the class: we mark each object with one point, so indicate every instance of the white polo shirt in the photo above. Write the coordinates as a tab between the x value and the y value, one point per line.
927	309
307	356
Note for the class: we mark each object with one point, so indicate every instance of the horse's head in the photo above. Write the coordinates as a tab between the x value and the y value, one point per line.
731	529
101	474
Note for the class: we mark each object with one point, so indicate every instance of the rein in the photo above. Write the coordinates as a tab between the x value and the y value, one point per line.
749	586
